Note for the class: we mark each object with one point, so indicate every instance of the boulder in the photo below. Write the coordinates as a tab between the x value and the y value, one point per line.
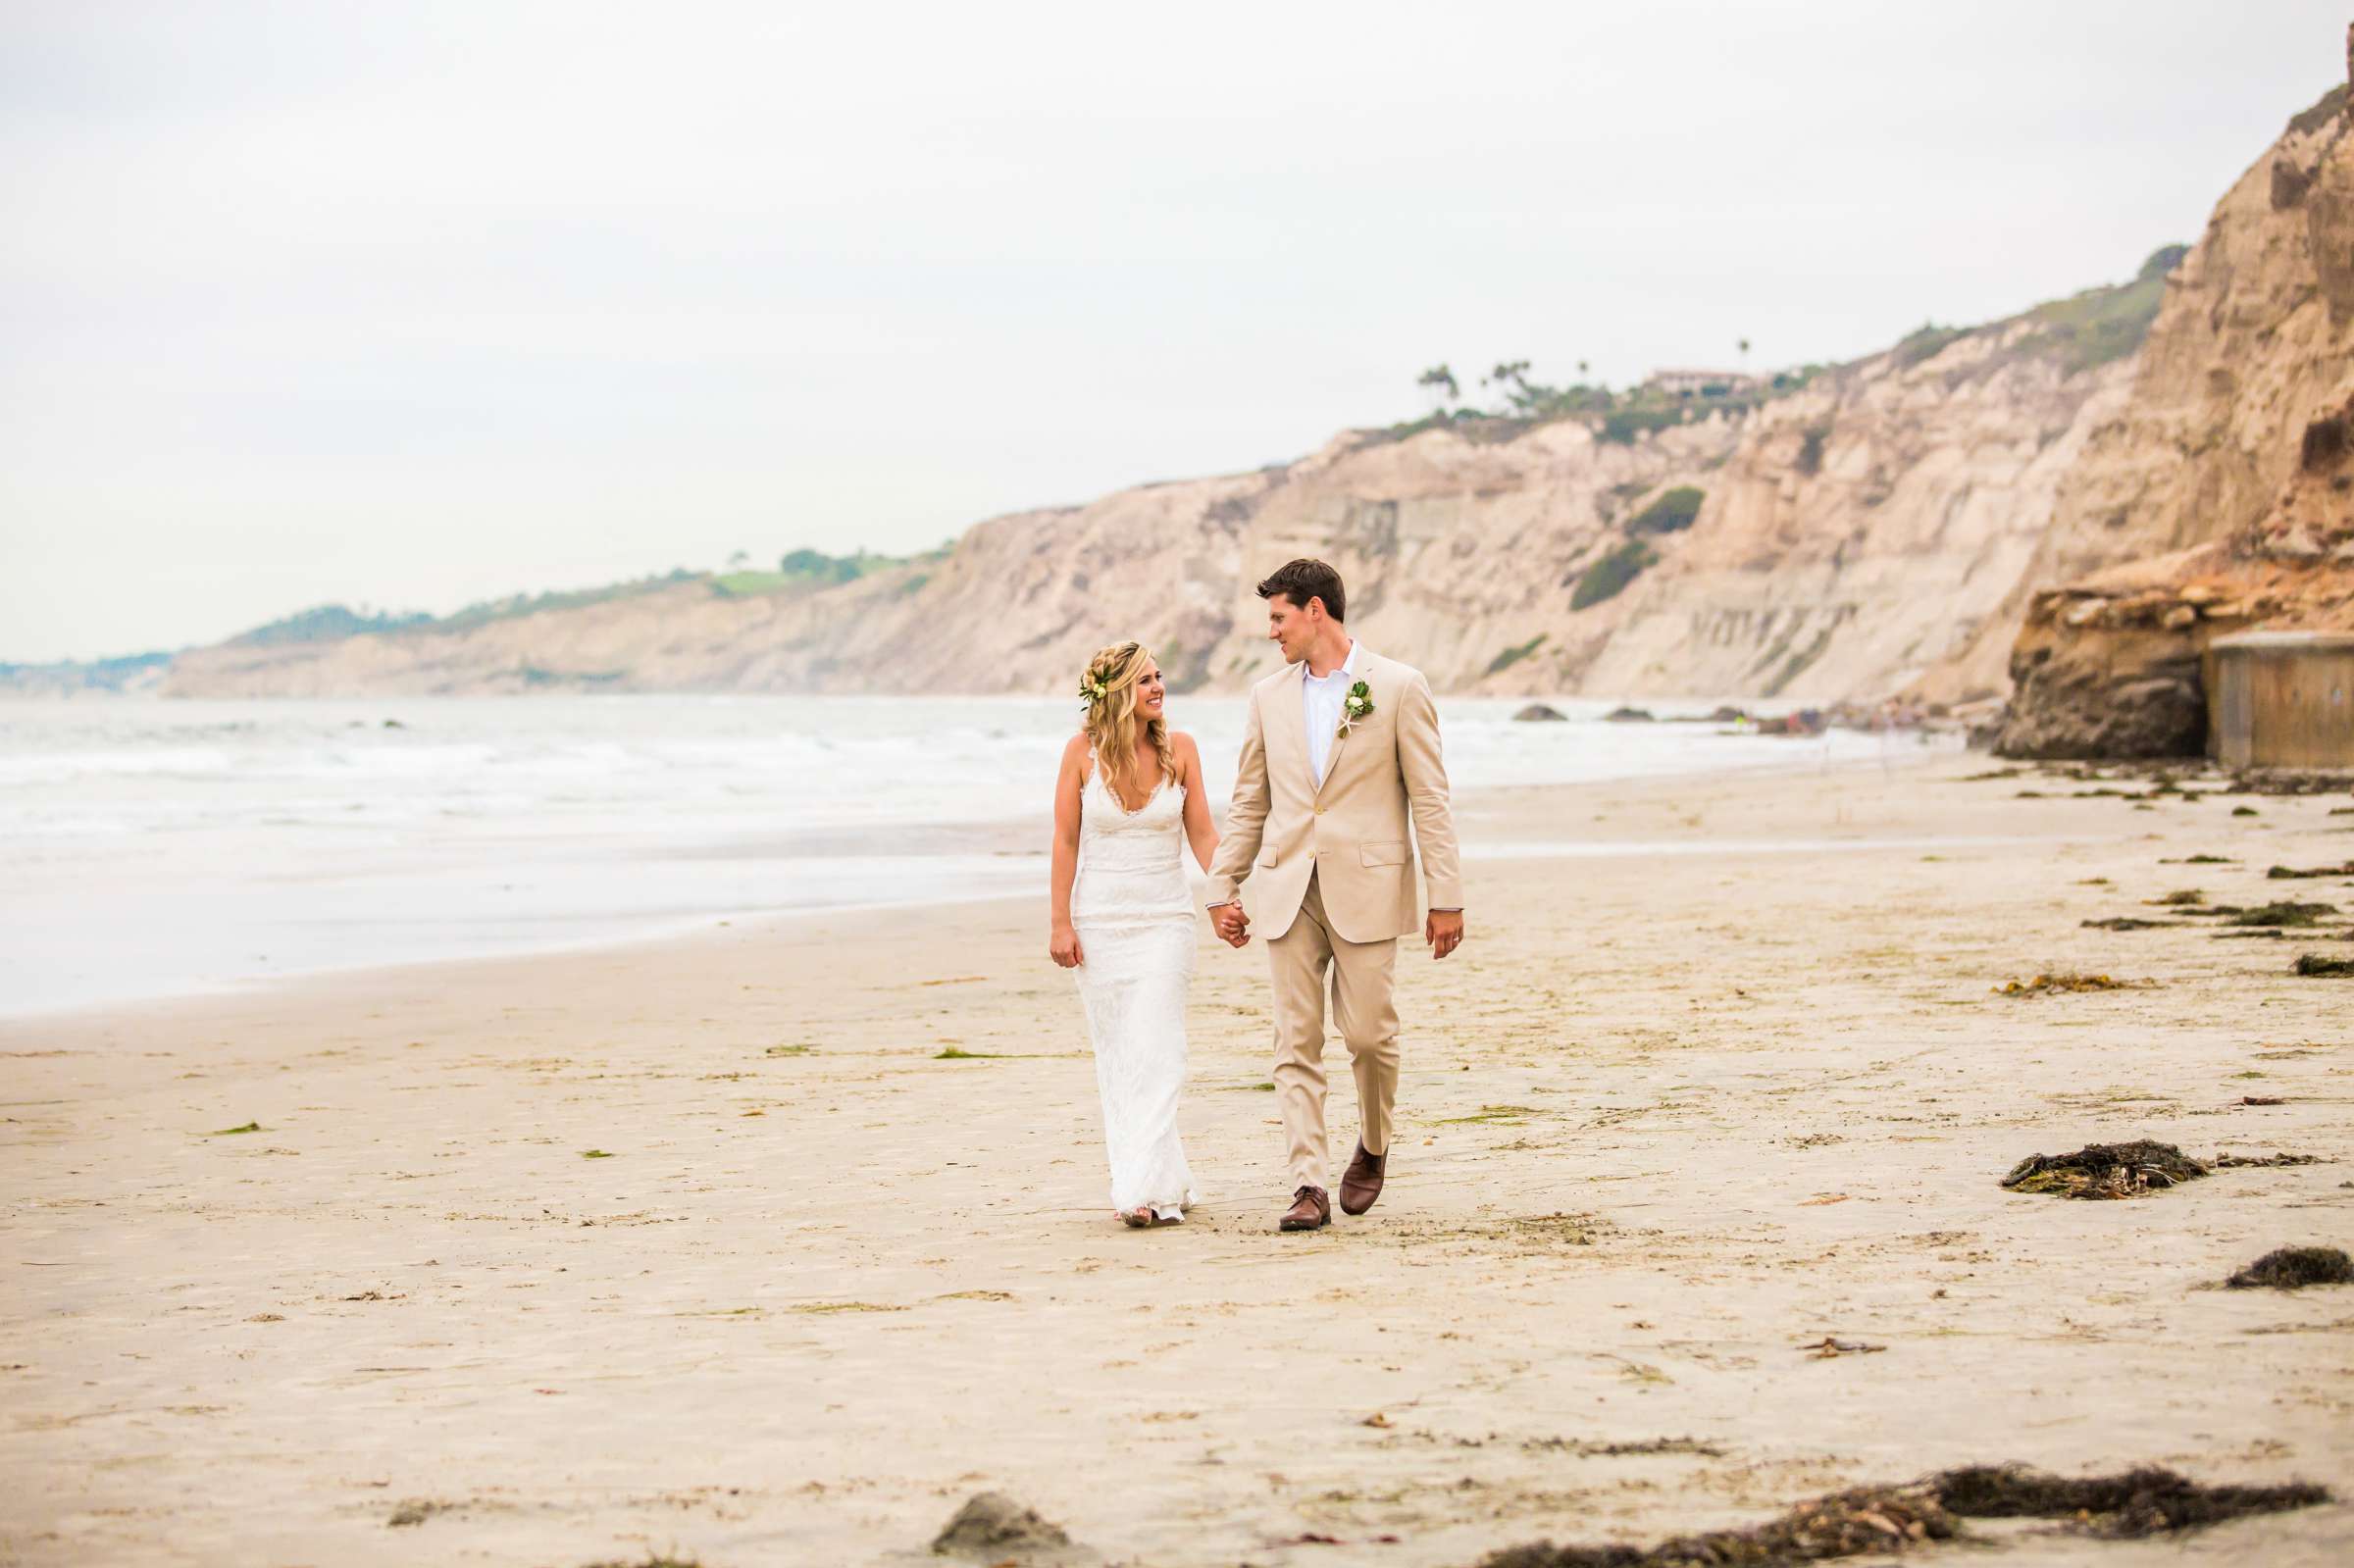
1539	713
2083	688
994	1528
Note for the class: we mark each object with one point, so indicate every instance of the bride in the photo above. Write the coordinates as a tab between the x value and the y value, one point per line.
1127	804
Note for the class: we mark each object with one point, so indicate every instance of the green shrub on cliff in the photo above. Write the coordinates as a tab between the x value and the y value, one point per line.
2316	118
1627	424
804	569
817	566
327	623
1925	342
485	611
1514	655
1609	577
1810	449
2101	325
1672	513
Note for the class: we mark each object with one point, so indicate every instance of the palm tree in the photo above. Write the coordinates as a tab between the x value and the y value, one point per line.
1510	378
1439	382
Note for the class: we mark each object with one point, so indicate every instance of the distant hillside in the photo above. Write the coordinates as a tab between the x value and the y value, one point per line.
327	623
131	673
798	571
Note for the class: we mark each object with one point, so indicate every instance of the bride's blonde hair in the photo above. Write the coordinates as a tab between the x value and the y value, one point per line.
1109	688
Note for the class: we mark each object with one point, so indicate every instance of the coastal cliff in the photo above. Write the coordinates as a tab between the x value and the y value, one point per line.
1866	530
2220	498
2066	501
1831	543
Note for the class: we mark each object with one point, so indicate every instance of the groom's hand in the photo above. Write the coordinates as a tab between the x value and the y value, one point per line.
1231	923
1442	929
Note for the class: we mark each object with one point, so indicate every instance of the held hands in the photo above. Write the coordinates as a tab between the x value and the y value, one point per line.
1442	929
1231	923
1063	948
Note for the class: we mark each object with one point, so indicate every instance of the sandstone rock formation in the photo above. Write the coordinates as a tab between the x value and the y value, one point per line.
1457	546
2222	496
1868	527
1847	537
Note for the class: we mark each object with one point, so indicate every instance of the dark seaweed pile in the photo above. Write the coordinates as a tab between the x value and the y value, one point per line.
2292	1268
2146	1502
2106	1171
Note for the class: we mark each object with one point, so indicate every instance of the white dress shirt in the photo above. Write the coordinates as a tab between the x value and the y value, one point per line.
1320	704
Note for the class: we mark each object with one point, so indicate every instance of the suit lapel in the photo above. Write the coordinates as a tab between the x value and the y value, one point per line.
1339	743
1288	726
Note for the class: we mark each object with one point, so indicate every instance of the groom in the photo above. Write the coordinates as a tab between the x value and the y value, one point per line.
1338	750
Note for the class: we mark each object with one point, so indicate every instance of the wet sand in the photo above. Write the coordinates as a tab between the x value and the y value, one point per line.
1675	1111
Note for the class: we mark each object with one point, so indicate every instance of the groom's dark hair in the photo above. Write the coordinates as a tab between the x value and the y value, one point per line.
1304	579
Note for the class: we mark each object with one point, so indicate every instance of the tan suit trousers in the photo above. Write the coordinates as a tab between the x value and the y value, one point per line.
1363	1006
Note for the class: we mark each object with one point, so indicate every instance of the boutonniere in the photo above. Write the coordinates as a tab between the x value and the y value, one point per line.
1355	706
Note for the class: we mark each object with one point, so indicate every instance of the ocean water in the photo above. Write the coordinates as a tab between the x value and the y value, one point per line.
151	849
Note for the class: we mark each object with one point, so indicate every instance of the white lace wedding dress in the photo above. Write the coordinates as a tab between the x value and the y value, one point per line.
1134	914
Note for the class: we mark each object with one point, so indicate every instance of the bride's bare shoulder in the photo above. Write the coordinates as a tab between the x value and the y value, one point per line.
1074	750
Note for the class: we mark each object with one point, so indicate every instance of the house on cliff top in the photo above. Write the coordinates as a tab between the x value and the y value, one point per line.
1700	383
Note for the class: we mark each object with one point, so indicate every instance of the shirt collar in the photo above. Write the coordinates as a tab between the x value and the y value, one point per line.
1347	665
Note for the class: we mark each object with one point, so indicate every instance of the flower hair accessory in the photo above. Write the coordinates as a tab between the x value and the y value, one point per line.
1355	706
1092	689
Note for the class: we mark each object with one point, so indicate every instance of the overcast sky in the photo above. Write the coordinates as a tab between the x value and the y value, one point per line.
415	304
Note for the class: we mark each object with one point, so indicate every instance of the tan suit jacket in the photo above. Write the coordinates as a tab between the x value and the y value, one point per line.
1351	831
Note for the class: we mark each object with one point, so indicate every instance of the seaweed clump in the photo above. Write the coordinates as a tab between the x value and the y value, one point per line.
2145	1501
1888	1520
2292	1268
2281	912
2064	980
1843	1524
2106	1171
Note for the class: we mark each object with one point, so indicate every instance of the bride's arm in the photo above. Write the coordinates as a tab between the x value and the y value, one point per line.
1062	942
1200	831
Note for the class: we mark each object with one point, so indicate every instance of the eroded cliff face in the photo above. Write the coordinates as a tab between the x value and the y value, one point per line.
1450	545
1848	537
1867	529
2221	499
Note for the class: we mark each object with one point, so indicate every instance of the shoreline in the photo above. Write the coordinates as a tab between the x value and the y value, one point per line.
990	839
788	1239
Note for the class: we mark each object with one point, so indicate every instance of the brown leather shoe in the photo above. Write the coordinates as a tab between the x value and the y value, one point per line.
1360	1183
1310	1210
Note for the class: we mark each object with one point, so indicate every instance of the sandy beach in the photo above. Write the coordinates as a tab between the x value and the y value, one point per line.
774	1244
